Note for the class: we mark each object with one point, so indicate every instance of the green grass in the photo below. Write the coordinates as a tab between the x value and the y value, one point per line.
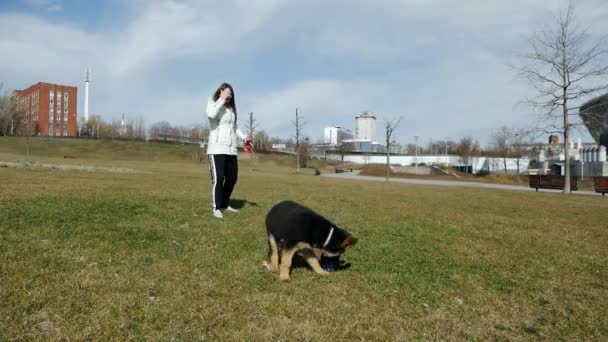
116	256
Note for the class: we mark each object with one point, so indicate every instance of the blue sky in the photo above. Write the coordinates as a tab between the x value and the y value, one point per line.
442	64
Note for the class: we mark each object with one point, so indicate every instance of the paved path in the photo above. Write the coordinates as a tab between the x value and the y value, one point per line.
455	183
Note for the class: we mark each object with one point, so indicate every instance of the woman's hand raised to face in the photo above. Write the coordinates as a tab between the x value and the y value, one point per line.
225	94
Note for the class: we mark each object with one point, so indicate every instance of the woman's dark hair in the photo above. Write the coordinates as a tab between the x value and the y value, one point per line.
230	103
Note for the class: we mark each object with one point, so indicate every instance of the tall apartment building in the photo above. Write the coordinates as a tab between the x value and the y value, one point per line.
365	126
49	109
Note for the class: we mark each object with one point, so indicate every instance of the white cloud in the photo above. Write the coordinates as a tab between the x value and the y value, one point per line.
442	63
49	5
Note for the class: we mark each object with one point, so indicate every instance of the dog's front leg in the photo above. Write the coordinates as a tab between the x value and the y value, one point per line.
312	257
285	267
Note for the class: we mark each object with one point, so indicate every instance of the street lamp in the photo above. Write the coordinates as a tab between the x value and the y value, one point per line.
447	162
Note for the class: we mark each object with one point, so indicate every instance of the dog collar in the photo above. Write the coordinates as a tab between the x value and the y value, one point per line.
331	232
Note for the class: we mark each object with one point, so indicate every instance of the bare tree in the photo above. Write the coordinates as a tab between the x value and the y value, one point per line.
12	114
467	147
390	126
519	147
500	140
510	142
298	124
139	127
251	126
562	66
261	141
198	133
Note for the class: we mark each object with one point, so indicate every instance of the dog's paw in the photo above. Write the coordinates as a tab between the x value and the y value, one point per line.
269	267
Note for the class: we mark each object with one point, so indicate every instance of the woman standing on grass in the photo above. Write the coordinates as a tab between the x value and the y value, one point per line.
221	148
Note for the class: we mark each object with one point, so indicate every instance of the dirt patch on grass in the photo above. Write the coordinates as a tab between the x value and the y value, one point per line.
64	167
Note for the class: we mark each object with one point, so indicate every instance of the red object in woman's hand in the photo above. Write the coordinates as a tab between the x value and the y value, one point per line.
248	146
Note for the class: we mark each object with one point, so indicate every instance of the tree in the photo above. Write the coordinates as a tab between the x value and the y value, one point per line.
467	147
11	114
298	124
518	146
198	133
160	130
500	140
261	141
251	127
562	66
510	142
390	128
139	127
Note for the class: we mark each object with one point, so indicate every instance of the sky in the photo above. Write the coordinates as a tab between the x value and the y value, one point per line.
445	66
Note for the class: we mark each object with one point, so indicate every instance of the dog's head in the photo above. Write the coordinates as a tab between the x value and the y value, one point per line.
338	242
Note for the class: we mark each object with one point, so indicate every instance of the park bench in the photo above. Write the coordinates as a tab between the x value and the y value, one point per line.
601	185
551	182
340	170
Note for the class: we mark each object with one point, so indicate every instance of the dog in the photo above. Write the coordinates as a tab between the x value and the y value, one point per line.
293	228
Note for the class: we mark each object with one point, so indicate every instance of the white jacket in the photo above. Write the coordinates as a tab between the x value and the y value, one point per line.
223	131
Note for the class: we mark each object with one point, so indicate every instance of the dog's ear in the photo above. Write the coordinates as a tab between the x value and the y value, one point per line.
349	241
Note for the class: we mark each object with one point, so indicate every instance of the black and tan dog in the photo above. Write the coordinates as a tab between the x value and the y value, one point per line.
293	228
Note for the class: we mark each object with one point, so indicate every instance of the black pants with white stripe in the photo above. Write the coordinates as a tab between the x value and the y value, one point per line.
224	171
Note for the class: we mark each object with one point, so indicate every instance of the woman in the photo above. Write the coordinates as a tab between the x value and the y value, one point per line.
221	149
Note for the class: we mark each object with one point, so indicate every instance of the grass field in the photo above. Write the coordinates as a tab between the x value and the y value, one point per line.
137	255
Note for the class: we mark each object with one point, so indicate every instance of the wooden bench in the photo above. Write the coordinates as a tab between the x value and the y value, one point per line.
601	185
551	182
339	170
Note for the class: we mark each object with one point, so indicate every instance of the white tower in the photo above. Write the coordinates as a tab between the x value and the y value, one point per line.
365	126
87	79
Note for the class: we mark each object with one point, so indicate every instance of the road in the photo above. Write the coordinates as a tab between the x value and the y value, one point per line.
455	183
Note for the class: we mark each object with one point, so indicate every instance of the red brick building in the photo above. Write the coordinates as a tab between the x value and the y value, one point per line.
49	109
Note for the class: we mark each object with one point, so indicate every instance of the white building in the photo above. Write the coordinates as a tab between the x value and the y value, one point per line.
335	135
365	126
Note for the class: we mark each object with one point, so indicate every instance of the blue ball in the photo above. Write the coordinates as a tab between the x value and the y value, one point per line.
330	264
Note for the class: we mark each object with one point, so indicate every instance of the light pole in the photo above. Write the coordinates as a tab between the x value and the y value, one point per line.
582	160
416	160
446	154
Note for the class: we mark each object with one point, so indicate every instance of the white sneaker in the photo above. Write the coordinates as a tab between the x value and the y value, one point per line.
218	213
231	209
